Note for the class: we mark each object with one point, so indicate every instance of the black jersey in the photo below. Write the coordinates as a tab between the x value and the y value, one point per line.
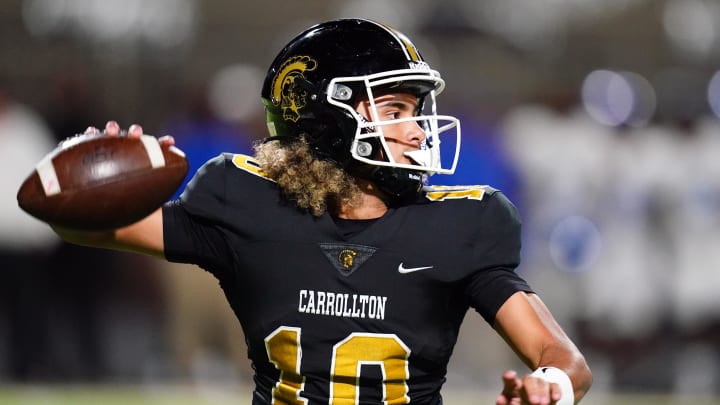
346	318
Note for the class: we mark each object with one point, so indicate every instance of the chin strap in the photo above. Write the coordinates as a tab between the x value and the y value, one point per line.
399	184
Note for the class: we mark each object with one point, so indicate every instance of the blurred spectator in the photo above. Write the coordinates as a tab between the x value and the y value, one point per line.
222	115
561	156
644	305
95	293
71	105
25	244
695	222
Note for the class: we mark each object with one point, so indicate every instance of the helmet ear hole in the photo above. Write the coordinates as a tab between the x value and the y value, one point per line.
364	149
341	92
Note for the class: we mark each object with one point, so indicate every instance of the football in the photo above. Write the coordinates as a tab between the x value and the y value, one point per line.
95	182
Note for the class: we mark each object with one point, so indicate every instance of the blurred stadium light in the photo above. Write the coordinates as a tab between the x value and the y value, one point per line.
693	27
618	98
164	24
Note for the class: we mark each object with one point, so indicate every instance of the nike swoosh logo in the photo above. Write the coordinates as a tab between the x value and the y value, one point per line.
404	270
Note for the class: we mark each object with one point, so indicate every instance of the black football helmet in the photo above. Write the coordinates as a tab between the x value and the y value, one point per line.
315	82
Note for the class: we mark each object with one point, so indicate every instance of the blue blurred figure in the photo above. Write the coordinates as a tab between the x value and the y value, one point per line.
203	134
483	160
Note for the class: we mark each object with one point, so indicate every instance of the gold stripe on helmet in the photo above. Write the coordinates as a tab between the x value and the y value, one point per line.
410	49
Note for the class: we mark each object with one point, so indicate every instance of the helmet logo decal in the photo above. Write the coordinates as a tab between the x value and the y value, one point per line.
284	92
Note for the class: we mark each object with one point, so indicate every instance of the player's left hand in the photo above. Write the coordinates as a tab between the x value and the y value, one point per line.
528	390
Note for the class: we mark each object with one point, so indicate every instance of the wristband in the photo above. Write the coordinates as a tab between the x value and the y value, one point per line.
559	377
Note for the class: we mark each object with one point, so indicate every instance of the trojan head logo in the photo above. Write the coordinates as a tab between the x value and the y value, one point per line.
346	258
285	93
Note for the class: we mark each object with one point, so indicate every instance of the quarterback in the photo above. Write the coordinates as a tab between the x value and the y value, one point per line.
349	276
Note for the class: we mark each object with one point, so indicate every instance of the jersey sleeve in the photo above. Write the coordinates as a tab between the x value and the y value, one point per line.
497	255
191	224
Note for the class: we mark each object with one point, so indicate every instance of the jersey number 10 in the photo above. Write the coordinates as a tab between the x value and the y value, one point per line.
349	355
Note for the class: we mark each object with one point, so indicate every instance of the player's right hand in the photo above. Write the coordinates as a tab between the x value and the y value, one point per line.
112	128
527	390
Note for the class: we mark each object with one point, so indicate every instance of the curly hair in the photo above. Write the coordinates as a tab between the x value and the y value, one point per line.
312	184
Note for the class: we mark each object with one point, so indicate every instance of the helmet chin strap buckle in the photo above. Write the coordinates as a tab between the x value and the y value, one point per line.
398	184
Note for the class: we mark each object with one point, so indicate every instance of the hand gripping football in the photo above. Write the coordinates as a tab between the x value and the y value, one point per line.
96	182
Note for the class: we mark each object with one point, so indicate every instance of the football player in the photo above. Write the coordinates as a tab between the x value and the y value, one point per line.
351	278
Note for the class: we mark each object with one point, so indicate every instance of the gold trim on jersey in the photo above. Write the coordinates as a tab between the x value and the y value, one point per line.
250	165
442	193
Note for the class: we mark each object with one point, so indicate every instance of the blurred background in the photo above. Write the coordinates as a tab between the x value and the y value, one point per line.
600	120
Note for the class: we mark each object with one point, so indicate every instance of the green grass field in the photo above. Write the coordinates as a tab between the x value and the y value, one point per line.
174	395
